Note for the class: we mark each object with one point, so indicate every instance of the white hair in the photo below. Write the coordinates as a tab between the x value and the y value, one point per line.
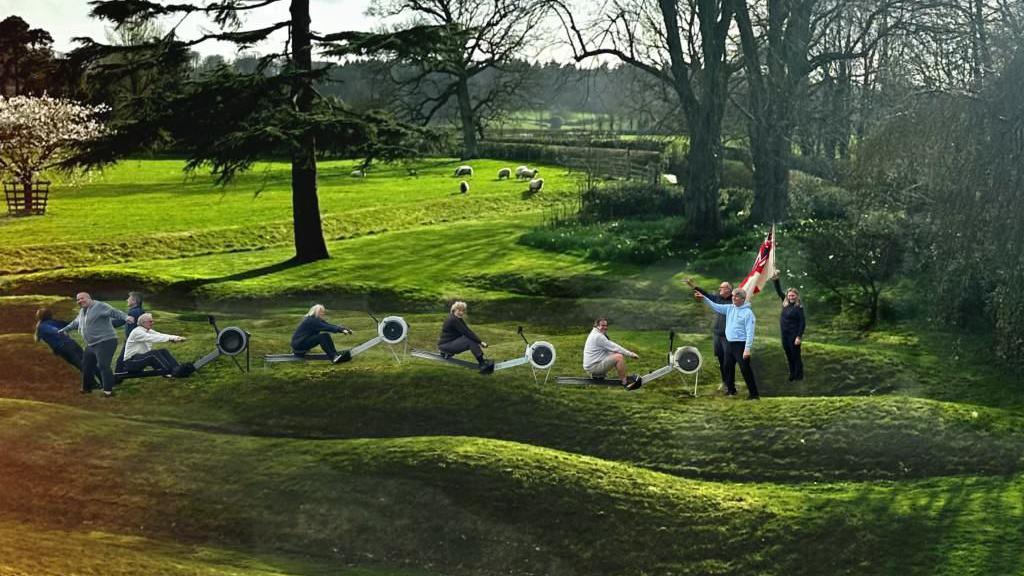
458	305
316	309
144	317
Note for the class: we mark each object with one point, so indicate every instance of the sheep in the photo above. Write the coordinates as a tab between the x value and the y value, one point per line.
464	171
529	174
358	174
464	187
536	185
519	171
504	173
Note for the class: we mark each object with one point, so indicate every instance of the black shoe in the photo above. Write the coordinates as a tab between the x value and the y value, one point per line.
634	382
730	392
343	356
85	391
753	397
183	370
108	394
487	367
446	355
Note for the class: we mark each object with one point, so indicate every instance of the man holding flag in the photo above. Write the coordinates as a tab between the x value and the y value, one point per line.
737	330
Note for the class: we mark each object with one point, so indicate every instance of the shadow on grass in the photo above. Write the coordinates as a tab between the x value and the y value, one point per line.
188	286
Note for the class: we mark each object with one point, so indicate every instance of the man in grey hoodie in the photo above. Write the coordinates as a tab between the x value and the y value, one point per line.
95	322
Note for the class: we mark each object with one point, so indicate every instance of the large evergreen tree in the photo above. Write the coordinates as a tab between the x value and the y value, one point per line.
228	120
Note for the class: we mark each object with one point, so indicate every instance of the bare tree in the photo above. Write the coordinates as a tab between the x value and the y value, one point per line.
682	44
481	38
784	42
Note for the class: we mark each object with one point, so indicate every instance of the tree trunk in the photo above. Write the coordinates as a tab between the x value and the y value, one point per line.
309	236
770	132
29	195
703	177
468	123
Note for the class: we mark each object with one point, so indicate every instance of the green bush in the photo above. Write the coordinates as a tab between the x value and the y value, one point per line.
630	199
634	241
813	198
736	174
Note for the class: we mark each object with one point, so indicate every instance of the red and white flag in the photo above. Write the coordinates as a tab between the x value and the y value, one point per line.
764	267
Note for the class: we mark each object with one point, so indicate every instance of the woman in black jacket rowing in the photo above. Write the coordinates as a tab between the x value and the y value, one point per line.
456	337
791	325
313	331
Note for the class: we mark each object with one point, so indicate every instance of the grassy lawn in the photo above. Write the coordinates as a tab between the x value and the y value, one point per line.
893	457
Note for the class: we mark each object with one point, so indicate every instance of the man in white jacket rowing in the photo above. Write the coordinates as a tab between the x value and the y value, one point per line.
139	352
600	355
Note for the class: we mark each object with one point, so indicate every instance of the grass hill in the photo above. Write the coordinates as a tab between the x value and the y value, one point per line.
894	456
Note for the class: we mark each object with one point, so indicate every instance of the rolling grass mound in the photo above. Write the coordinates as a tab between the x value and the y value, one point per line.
467	505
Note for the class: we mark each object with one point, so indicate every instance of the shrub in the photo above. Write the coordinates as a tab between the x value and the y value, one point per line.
633	241
736	174
630	200
813	198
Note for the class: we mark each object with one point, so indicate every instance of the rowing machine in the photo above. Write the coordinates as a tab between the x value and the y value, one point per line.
231	342
685	359
392	330
540	355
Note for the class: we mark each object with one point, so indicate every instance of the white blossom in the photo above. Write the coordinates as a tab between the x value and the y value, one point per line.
36	133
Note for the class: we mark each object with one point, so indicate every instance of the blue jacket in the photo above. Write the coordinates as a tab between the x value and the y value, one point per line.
49	332
134	312
739	322
311	326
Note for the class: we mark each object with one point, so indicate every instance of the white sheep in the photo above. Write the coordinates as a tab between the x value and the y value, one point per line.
464	187
536	185
464	171
504	173
520	170
529	174
358	174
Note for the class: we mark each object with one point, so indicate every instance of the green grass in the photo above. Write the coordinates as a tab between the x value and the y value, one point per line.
901	453
149	209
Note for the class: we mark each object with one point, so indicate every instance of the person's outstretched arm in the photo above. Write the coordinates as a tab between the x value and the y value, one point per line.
778	288
722	309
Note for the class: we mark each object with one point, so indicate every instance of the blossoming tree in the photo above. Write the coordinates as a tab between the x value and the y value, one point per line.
42	133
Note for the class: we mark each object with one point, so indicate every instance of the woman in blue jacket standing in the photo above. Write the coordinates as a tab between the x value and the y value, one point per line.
315	331
791	326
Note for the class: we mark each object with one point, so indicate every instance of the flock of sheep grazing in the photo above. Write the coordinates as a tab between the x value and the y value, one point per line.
522	173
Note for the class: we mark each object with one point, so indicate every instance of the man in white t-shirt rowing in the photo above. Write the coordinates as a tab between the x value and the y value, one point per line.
601	355
139	352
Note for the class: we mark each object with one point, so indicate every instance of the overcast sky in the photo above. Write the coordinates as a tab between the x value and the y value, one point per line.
67	19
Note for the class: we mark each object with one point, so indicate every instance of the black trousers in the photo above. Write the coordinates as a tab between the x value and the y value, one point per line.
734	356
461	344
721	344
323	340
161	359
71	352
96	359
796	363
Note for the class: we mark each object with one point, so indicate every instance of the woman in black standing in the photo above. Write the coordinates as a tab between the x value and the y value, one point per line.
791	324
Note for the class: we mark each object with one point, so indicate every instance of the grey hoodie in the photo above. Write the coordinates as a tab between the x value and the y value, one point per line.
96	323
